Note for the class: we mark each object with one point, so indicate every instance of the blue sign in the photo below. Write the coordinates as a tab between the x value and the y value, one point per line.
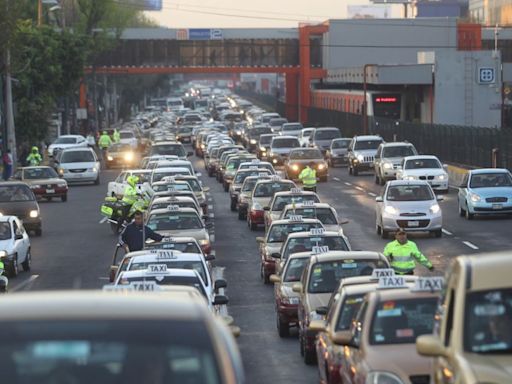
204	34
145	5
486	75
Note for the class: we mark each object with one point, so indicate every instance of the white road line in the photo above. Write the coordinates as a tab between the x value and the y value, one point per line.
447	232
372	194
26	283
210	199
212	215
359	188
470	245
103	278
336	178
210	207
347	183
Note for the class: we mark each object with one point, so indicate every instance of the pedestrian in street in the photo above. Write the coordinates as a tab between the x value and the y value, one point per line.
7	163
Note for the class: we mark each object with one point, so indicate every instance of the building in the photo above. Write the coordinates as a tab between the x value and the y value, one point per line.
491	12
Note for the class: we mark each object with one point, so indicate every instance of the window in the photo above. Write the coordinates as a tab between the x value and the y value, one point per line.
5	231
174	221
348	311
449	317
398	151
409	193
489	180
422	164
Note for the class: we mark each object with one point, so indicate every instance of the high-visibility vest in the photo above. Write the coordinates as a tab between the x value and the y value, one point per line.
308	177
403	257
104	141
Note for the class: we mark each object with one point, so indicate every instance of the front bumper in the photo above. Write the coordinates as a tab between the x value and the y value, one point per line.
80	176
338	159
412	224
361	166
484	208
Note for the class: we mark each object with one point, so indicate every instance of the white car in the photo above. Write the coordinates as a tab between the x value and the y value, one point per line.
14	245
67	141
78	165
291	129
411	205
117	187
128	137
427	168
305	136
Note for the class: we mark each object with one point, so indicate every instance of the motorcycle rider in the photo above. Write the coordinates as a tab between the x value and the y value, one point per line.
403	254
34	158
130	191
3	280
104	143
116	136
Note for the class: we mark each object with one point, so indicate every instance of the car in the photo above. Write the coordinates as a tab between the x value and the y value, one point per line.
241	155
277	124
425	168
471	340
280	148
148	159
262	195
267	116
175	222
411	205
291	129
311	210
253	136
169	148
44	182
264	145
245	194
320	279
78	165
121	155
300	158
198	189
14	245
160	173
388	160
305	136
240	176
384	332
17	199
128	137
117	187
323	136
184	134
66	141
270	245
361	153
337	154
129	336
486	191
258	163
230	168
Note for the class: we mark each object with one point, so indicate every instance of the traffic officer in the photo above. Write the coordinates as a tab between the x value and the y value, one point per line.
403	254
34	158
308	177
3	280
116	136
130	192
136	233
104	143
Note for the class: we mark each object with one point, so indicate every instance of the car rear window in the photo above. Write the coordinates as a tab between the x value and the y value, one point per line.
302	154
306	244
278	233
285	143
77	157
174	221
282	201
269	189
327	134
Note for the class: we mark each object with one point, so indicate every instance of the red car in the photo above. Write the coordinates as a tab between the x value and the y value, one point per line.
43	181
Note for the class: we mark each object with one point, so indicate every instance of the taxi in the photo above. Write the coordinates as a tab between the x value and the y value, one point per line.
380	345
238	180
320	279
175	222
321	211
231	168
262	194
282	199
143	334
198	190
180	201
316	240
473	333
245	194
270	245
286	300
259	164
224	159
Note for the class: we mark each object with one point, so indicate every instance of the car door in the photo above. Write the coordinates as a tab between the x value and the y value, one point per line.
378	160
21	245
463	191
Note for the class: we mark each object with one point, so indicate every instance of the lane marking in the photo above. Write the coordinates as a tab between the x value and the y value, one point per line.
336	178
210	207
27	282
447	232
103	278
359	188
210	199
372	194
347	183
470	244
212	215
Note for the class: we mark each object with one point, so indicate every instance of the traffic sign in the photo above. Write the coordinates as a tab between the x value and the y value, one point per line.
486	75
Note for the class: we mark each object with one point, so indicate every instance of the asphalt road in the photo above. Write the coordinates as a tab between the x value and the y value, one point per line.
75	252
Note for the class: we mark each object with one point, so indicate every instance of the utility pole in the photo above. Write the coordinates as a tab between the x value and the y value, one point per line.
9	113
39	13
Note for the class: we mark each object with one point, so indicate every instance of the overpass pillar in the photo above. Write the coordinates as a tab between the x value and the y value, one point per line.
292	97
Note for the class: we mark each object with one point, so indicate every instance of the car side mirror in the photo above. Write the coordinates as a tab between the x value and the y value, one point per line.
266	208
205	217
317	326
18	236
113	273
276	255
220	283
343	338
379	199
206	189
209	257
275	279
297	287
430	345
440	198
445	166
322	310
220	300
260	240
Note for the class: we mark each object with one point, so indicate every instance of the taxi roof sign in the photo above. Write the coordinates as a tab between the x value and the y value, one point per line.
320	249
295	218
428	284
262	174
377	273
275	178
308	203
168	240
391	282
157	268
145	286
173	208
296	190
317	231
164	254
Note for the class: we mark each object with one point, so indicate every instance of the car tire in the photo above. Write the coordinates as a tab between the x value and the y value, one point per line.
241	215
468	215
378	229
462	212
226	187
349	169
253	226
97	181
377	181
38	231
28	261
232	206
355	171
264	277
64	198
283	328
382	181
383	233
12	270
309	356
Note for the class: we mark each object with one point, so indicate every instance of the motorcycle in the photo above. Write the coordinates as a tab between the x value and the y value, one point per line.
4	282
120	213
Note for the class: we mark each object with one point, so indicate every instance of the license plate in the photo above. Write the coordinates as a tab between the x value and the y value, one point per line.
414	223
50	191
497	206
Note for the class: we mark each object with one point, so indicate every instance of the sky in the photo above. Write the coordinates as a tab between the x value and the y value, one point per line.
249	13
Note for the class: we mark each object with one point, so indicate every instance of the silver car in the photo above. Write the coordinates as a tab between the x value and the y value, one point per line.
408	204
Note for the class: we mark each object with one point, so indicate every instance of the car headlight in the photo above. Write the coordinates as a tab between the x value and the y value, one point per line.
442	177
382	378
290	300
93	169
274	161
435	208
110	158
409	177
387	166
263	149
61	171
391	210
360	157
321	166
475	198
62	185
295	167
34	213
315	316
128	156
252	141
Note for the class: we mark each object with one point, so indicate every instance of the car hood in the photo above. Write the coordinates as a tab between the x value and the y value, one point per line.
490	368
493	192
393	160
423	172
198	234
6	245
401	359
411	206
305	161
44	181
18	208
339	151
286	289
88	164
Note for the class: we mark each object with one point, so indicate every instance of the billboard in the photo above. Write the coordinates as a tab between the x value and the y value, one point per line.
199	34
368	11
146	5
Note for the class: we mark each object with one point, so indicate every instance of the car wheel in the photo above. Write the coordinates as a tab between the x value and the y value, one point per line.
462	212
233	205
97	181
12	270
241	214
469	215
253	226
309	356
283	328
438	233
382	181
378	229
377	181
28	261
355	171
383	233
38	231
64	198
349	169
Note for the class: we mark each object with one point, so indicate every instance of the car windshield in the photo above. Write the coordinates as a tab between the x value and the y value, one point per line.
302	154
5	231
171	149
157	176
325	215
490	180
340	144
326	275
294	269
269	189
279	232
306	244
77	157
174	221
348	311
249	184
327	134
398	151
171	187
39	173
264	140
422	164
126	135
255	132
292	127
65	140
277	122
172	264
487	328
179	203
234	163
185	247
185	130
117	350
281	201
367	144
402	321
194	184
15	193
191	281
409	193
285	143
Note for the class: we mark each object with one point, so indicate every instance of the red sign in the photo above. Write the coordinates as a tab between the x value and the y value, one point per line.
385	99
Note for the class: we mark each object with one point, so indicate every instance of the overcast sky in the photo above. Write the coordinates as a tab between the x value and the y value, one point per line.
249	13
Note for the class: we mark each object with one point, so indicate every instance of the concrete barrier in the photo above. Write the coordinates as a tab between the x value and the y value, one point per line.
456	174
